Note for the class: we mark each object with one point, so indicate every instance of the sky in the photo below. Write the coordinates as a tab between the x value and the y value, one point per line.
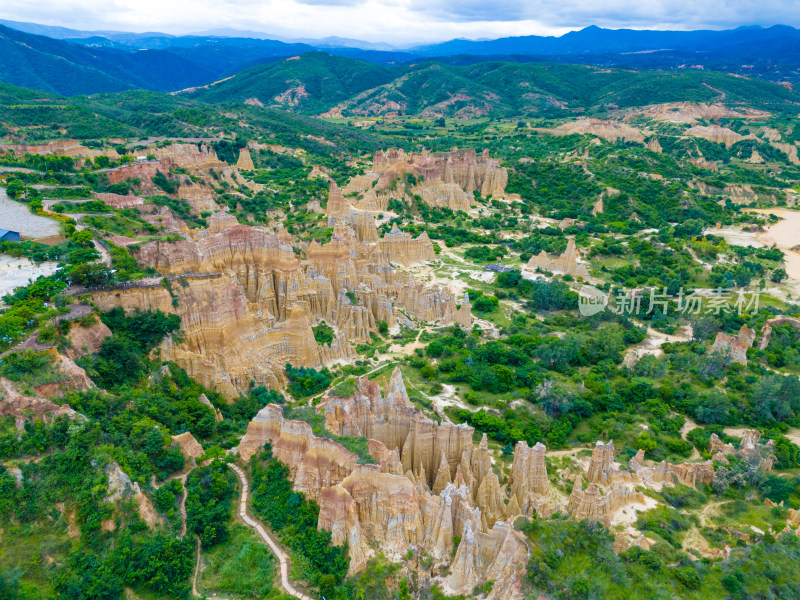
400	22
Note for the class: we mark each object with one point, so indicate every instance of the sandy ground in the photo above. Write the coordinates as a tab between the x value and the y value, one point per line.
484	276
785	234
736	237
651	345
15	170
447	398
628	514
793	435
18	272
18	217
735	431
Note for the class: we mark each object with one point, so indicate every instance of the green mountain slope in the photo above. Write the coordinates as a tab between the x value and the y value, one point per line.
309	83
315	83
42	63
33	117
508	89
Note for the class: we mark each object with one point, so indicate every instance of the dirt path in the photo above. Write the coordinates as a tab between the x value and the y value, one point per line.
256	526
688	426
182	506
793	435
709	510
104	255
195	593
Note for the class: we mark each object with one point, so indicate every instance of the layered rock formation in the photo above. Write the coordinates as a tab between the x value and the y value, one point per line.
72	148
428	485
226	342
464	314
654	145
245	160
497	555
691	112
735	346
715	133
437	193
71	378
120	487
400	248
163	218
750	450
530	488
738	193
119	201
143	171
314	463
29	408
196	160
238	288
566	263
595	506
199	196
395	247
461	167
337	205
794	518
665	473
766	330
609	130
601	467
189	447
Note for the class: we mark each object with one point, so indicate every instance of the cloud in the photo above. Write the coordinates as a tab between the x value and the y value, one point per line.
400	21
331	2
681	14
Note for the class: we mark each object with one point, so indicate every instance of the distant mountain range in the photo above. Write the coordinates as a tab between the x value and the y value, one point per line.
317	83
70	61
595	40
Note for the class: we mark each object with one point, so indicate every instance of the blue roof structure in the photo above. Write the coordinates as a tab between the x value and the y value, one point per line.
6	235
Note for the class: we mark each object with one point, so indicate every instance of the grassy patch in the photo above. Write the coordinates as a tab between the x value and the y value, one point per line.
242	566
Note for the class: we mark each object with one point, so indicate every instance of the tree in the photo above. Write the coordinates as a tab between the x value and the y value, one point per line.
90	274
383	328
15	189
778	275
645	442
323	333
83	238
704	328
714	407
484	304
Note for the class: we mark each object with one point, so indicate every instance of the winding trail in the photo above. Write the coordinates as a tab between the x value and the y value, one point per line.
195	593
182	506
283	559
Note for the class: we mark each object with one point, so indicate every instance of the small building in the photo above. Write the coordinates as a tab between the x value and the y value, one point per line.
6	235
498	268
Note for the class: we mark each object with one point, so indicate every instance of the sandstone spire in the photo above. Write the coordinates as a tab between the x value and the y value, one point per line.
396	389
601	466
245	161
528	473
566	263
464	314
337	205
442	476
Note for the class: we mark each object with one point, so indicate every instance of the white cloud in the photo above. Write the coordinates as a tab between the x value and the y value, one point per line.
400	21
